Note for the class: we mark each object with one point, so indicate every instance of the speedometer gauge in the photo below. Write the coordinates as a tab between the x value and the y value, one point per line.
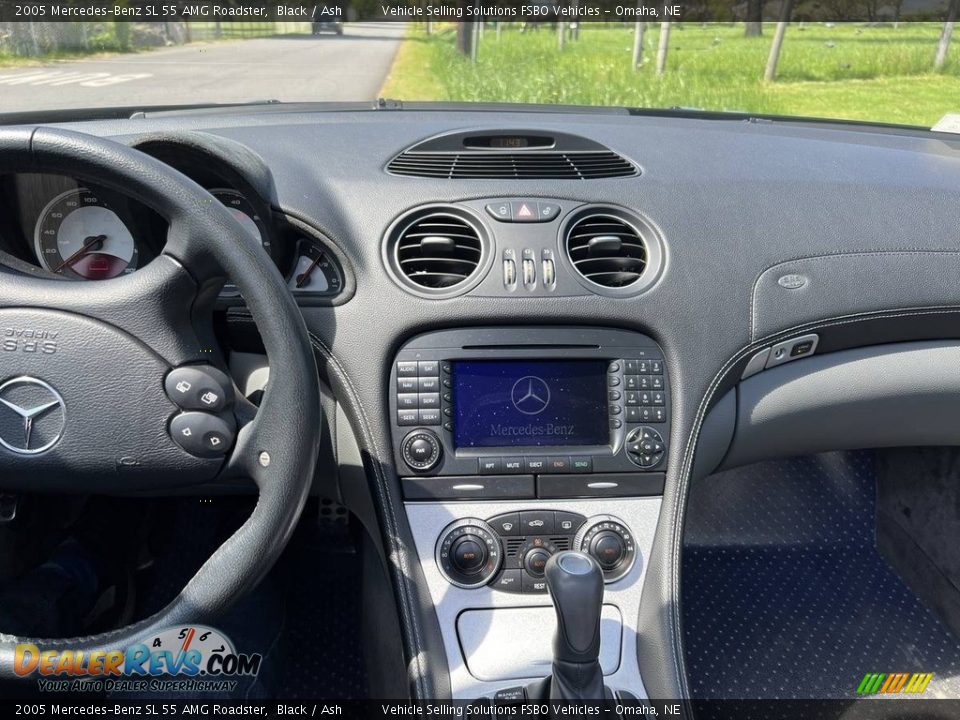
79	236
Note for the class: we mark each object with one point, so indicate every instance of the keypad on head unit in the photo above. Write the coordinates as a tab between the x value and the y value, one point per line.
418	393
636	386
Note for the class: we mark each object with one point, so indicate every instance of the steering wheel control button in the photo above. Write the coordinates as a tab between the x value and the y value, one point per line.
202	434
421	450
645	447
468	553
608	541
199	387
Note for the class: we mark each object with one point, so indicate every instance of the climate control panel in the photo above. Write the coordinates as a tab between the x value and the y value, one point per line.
509	552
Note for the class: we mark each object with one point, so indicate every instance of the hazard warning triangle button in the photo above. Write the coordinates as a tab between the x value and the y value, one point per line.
525	211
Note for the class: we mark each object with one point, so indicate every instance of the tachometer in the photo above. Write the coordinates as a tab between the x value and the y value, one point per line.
79	236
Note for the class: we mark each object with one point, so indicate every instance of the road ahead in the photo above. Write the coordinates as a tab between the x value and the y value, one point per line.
287	67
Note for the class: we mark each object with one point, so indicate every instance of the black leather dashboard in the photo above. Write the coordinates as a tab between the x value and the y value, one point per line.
869	221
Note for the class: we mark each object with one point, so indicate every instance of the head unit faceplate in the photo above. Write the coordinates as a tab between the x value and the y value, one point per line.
630	395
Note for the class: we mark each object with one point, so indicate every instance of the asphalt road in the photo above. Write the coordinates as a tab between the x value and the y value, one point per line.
287	68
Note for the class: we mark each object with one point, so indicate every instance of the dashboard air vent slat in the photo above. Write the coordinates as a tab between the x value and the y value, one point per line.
606	250
436	250
549	165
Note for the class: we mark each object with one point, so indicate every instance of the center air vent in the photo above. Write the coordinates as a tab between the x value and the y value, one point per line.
437	251
610	249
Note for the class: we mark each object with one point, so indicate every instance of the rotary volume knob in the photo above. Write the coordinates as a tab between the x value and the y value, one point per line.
421	450
608	541
468	553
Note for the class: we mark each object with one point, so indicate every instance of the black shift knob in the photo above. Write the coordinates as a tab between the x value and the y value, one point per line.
575	582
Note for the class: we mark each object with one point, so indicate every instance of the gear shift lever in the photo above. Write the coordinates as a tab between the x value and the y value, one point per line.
575	582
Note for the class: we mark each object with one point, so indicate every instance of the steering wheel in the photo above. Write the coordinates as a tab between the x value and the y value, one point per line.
84	377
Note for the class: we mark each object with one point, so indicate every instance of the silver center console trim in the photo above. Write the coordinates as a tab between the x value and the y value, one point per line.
427	521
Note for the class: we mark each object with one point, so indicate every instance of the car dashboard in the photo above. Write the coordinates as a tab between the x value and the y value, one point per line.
536	329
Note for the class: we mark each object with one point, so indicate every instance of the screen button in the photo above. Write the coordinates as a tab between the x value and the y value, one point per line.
535	464
429	417
407	417
406	369
406	384
407	400
513	466
489	466
558	464
428	368
537	522
581	464
429	400
429	385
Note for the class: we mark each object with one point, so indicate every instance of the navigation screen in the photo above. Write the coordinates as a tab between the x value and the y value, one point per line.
517	403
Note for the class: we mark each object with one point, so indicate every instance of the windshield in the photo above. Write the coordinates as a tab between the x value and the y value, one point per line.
878	69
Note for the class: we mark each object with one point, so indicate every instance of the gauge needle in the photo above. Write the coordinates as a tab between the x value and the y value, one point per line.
94	242
305	275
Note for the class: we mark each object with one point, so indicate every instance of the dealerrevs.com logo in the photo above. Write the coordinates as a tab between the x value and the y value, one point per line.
192	658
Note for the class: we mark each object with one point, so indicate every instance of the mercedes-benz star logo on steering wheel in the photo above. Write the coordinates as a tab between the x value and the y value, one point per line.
530	395
32	416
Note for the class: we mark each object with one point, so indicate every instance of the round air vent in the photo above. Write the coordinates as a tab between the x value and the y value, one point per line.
611	251
437	251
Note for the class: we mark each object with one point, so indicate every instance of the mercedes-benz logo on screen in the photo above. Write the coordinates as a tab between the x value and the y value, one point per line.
530	395
32	416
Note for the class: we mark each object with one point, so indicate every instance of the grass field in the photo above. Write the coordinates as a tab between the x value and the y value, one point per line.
849	70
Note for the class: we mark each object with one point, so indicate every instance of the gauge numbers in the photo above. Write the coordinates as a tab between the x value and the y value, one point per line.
81	237
314	271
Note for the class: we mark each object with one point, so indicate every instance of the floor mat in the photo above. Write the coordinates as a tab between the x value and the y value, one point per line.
304	617
785	594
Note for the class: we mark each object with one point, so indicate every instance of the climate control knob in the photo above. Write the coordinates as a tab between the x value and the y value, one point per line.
468	553
608	541
421	450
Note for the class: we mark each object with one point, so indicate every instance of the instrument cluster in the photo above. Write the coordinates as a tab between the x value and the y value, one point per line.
57	225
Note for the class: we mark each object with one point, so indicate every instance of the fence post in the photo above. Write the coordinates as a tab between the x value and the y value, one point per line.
561	30
662	47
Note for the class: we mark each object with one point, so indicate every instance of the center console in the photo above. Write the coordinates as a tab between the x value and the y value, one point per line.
513	445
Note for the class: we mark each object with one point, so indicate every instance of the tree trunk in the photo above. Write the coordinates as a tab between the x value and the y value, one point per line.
637	60
770	74
943	47
561	34
754	25
465	38
662	46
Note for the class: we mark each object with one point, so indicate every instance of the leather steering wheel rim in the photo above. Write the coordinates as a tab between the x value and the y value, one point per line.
205	243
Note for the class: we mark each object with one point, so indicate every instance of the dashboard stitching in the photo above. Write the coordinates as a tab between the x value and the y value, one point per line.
409	617
867	253
687	466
